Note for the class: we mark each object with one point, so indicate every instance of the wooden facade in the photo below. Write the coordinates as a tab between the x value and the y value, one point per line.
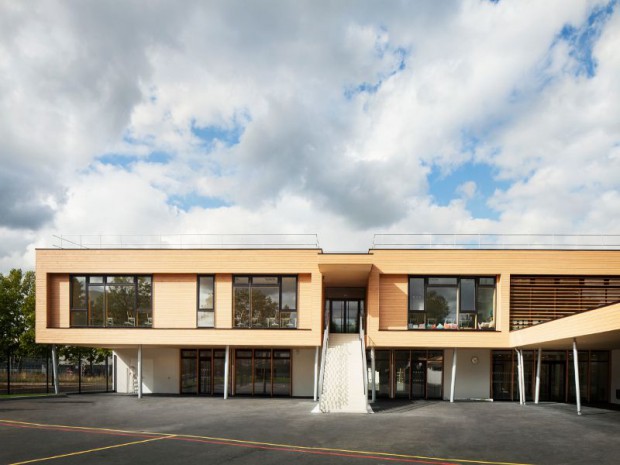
383	274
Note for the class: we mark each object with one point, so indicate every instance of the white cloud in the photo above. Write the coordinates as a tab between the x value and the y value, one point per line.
343	111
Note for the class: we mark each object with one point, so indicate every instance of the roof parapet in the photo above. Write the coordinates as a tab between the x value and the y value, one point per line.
498	241
188	241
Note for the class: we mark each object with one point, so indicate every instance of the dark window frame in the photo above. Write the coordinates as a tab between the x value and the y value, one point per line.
250	285
416	314
106	280
205	310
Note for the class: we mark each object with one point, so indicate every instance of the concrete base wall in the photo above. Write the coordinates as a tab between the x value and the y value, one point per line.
303	372
473	380
160	370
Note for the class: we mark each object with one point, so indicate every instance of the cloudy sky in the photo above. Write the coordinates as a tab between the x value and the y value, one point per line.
339	118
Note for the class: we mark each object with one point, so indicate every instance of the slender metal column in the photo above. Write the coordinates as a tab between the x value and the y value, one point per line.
519	370
453	381
372	370
576	363
537	393
522	375
226	371
140	371
55	368
316	373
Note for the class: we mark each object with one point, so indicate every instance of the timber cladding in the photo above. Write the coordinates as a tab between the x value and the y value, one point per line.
538	299
393	302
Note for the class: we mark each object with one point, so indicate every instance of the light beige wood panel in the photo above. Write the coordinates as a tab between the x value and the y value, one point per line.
223	301
439	339
174	300
305	302
393	302
202	261
491	262
58	301
603	322
373	295
127	337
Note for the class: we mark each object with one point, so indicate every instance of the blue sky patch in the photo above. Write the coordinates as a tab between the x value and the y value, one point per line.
209	135
582	39
188	201
444	187
125	160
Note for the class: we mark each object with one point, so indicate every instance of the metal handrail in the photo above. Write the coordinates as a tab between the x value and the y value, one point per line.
498	241
187	241
324	353
364	360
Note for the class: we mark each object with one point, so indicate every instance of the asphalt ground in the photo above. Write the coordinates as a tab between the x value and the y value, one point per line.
109	429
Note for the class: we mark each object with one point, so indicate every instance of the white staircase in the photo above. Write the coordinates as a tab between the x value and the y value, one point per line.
343	381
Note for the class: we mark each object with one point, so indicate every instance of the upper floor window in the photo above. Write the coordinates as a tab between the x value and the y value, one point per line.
111	301
451	302
265	301
206	302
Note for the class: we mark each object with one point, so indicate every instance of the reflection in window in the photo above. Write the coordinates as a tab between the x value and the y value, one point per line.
451	303
206	309
111	301
265	302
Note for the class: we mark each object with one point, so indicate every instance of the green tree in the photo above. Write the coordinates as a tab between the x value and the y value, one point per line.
437	307
17	303
89	354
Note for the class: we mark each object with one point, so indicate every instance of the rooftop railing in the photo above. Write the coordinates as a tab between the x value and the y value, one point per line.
498	241
188	241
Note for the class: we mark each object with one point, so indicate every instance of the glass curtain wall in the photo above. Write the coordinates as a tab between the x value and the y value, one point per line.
410	374
557	379
111	301
268	302
466	303
257	372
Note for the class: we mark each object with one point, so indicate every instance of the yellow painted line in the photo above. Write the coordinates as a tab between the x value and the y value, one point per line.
259	443
83	428
81	452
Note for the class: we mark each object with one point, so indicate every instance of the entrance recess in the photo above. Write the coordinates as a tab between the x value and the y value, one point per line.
345	315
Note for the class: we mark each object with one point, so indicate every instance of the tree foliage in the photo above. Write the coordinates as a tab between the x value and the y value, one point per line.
17	309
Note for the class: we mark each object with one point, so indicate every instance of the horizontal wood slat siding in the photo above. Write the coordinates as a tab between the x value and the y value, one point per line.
58	301
539	299
393	302
174	300
223	301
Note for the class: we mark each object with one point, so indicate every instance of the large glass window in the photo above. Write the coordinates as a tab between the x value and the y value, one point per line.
451	302
206	300
111	301
265	302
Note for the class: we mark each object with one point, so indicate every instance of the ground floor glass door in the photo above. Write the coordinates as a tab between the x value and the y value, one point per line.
344	315
409	374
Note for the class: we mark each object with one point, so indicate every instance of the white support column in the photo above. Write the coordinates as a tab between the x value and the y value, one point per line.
373	381
316	373
538	361
55	369
453	381
577	390
226	371
522	375
519	370
140	371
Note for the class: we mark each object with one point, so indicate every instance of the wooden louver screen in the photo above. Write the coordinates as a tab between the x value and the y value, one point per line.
538	299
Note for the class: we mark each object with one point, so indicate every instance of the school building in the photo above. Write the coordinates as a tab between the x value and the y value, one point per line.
416	319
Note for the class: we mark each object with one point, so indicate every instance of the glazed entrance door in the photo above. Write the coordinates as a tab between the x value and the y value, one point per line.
344	315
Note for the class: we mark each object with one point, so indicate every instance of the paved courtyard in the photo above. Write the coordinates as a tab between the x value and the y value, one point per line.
108	428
